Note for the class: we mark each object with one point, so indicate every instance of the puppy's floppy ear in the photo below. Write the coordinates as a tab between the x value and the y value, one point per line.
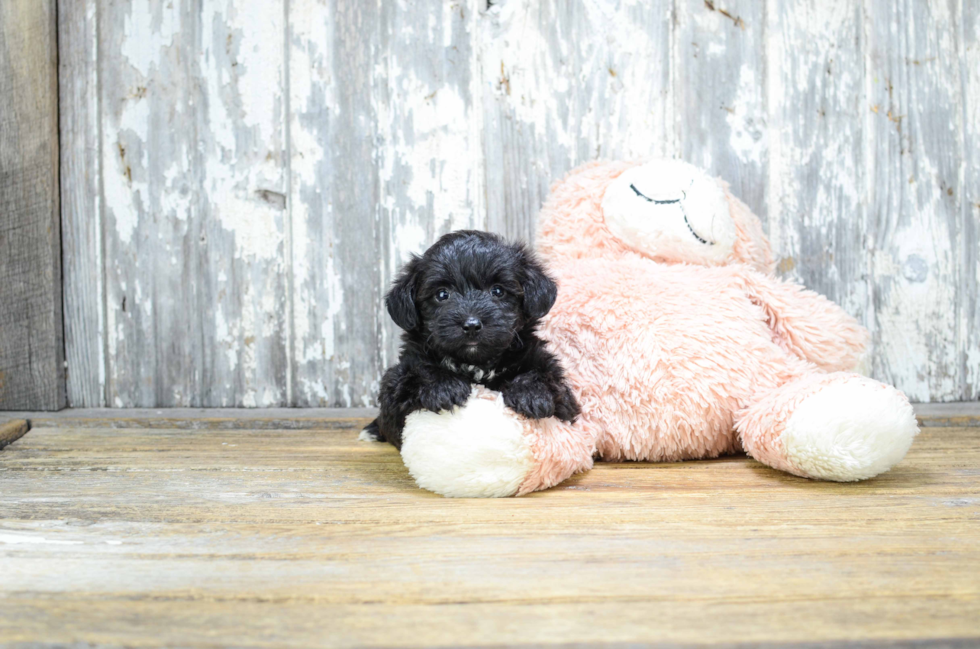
400	300
540	291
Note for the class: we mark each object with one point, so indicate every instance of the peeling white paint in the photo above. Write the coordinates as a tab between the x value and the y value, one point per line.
845	127
749	139
148	26
124	182
257	228
411	238
440	121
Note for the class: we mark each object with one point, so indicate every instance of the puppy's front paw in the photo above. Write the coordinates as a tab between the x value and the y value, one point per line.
444	395
566	407
530	398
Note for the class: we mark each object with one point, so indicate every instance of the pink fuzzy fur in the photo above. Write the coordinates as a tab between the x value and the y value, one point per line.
663	362
671	361
762	423
559	449
571	224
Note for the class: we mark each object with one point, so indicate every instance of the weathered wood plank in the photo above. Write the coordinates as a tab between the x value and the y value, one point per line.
565	83
817	149
32	374
968	291
193	123
719	93
385	158
81	202
192	622
916	195
265	537
334	195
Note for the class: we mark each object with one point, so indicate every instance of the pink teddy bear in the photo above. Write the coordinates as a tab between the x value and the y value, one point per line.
679	343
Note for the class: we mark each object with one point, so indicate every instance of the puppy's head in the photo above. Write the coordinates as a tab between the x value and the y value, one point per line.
470	295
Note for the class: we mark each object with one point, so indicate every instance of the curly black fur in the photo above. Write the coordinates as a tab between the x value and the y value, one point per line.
469	307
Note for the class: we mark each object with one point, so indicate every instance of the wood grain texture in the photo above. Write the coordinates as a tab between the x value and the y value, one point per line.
255	177
194	185
334	196
916	196
968	290
719	92
565	83
817	150
32	374
146	537
81	202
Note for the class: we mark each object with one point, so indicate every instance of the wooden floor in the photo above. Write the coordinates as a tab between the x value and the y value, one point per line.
208	536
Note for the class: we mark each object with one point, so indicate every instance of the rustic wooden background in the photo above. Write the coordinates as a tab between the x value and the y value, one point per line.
32	351
240	180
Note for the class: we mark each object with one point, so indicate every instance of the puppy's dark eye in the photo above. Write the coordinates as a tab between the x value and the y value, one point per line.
497	291
442	295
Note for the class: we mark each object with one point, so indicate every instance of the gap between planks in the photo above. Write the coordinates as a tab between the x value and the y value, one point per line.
929	415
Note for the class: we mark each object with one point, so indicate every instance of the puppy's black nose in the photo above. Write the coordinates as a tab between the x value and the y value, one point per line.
472	326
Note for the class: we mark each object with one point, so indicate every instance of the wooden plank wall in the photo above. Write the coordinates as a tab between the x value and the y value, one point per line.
242	180
31	336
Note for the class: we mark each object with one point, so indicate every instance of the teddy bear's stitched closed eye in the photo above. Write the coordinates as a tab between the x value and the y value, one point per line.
671	202
654	200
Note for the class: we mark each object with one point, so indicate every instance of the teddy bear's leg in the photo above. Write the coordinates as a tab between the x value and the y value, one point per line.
839	426
560	450
485	450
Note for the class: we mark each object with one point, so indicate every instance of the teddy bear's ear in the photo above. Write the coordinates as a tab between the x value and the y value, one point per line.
540	291
400	300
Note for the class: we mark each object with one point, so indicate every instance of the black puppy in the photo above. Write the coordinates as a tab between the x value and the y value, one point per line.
469	307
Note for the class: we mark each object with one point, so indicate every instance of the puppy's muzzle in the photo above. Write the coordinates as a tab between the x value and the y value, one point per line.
472	326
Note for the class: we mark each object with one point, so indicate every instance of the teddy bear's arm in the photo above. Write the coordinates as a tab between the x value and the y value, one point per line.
809	325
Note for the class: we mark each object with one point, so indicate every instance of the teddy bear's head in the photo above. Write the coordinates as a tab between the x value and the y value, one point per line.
666	210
